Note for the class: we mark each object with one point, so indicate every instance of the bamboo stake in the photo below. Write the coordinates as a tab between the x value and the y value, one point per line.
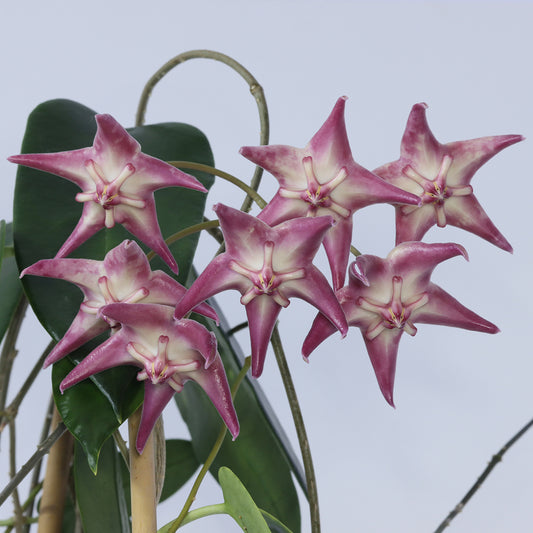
142	480
55	481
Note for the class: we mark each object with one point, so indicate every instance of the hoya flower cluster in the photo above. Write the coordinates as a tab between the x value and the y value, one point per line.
268	259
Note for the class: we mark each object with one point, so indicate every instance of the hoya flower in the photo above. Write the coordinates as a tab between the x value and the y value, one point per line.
117	183
440	175
169	352
386	297
123	276
267	265
324	179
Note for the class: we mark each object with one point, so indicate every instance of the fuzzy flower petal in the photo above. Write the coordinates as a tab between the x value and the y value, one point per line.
117	182
324	179
386	297
268	266
169	353
440	175
123	276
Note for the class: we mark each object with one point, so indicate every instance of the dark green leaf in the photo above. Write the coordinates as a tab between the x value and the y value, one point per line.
240	504
69	515
2	240
257	456
45	213
10	286
85	411
100	497
180	467
274	524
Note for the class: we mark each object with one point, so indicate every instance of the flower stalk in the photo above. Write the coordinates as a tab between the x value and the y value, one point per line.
255	89
252	193
301	432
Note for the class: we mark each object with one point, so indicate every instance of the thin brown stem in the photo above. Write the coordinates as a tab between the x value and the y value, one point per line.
28	466
35	484
8	354
27	520
55	481
19	517
475	487
255	89
12	409
300	430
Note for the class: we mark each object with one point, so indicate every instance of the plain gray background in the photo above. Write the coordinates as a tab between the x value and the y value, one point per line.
459	395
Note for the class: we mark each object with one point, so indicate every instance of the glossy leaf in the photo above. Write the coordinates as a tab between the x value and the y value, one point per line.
10	286
259	456
101	499
2	240
45	213
69	514
85	411
240	504
181	464
274	524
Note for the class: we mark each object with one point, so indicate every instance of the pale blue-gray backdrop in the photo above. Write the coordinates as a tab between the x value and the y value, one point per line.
460	395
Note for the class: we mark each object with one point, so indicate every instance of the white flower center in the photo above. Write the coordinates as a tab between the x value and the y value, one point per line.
266	280
318	195
394	314
436	191
107	193
158	368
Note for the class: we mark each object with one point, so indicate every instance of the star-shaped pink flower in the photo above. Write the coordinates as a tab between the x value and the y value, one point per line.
324	179
386	297
117	182
440	175
123	276
267	265
169	351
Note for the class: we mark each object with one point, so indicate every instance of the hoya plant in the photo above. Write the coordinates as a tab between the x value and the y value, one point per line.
102	247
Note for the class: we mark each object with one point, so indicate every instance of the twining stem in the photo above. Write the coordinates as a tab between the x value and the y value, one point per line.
475	487
142	480
354	251
300	429
255	89
180	520
224	175
55	481
207	225
207	510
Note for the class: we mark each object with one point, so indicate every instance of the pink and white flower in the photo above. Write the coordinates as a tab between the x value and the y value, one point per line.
123	276
440	175
268	266
170	352
386	297
323	179
117	182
